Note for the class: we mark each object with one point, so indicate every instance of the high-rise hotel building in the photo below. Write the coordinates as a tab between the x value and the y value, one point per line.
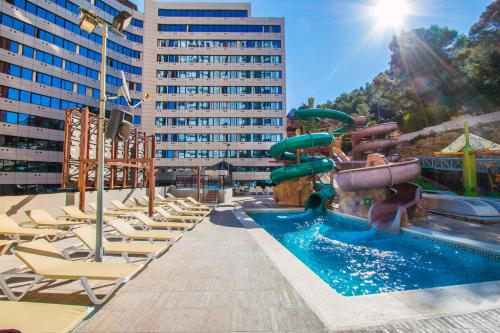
216	74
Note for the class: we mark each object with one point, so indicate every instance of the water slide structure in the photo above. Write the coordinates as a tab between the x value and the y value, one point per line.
309	164
352	175
387	214
362	144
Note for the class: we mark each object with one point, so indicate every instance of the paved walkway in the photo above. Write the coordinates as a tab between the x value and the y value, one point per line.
489	233
216	279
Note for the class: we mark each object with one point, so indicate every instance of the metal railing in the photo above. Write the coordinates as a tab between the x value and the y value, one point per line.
455	164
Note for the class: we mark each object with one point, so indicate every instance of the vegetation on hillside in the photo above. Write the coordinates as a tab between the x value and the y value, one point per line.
434	74
428	144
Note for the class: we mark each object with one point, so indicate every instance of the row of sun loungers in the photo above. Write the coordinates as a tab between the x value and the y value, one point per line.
141	235
255	190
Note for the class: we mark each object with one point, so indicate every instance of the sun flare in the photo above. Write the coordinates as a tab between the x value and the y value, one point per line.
390	13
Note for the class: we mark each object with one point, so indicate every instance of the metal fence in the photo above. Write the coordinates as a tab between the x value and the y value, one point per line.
455	164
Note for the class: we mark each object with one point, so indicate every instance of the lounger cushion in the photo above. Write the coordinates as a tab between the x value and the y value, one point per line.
169	216
43	317
9	227
87	236
54	268
41	247
126	230
42	217
134	248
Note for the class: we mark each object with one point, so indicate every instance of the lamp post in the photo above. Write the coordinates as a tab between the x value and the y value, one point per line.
88	22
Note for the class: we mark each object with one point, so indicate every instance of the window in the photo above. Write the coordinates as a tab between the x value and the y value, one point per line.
201	13
137	120
8	117
25	96
160	121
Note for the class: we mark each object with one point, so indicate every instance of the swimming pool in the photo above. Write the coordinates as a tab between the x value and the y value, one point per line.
356	260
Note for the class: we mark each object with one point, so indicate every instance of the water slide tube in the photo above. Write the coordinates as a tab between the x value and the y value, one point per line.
309	165
387	214
305	114
379	176
370	131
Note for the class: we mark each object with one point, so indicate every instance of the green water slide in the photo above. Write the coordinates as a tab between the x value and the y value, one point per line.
309	165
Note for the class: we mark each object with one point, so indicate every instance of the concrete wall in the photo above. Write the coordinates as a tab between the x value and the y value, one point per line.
452	124
16	206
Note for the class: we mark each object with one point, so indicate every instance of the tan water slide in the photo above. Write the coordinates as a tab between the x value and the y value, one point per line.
386	215
379	176
361	146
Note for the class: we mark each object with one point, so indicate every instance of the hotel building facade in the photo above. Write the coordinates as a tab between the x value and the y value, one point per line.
216	74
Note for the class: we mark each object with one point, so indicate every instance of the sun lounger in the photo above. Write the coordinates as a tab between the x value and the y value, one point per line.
45	267
188	199
178	210
10	228
42	218
165	215
75	213
113	213
43	317
185	204
161	198
5	246
149	223
144	202
87	236
122	207
44	248
181	202
127	231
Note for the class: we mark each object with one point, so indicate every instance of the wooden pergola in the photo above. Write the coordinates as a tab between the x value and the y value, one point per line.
128	164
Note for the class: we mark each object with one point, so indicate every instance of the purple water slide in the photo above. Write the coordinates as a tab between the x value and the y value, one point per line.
386	175
373	146
387	214
374	130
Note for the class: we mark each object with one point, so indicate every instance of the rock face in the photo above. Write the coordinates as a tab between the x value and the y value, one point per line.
375	159
293	192
358	202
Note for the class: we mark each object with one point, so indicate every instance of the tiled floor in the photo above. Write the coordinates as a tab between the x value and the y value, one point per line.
216	279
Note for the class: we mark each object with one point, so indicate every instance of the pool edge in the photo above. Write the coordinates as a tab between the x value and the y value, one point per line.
342	312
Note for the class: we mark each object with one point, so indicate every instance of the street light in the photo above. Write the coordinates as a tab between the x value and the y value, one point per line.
88	22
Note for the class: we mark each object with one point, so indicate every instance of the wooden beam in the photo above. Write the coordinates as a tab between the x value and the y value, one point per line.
82	175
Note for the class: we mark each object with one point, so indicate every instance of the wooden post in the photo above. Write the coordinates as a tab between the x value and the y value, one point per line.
66	148
136	153
82	174
126	151
298	154
112	167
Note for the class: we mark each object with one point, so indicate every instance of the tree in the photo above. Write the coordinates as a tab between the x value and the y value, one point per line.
479	60
355	102
434	74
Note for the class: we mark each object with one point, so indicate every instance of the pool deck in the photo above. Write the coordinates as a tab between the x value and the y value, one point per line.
220	278
216	279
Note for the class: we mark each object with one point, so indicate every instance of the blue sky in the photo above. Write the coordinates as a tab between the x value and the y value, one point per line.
330	45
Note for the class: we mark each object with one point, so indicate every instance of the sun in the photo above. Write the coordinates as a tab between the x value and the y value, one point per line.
390	13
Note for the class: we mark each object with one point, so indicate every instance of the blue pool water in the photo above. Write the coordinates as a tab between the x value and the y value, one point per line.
356	260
